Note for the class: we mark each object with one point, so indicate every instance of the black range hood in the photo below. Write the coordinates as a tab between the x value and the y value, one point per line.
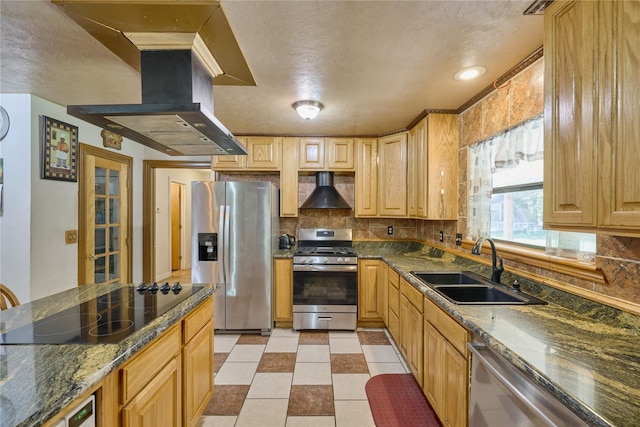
325	195
176	114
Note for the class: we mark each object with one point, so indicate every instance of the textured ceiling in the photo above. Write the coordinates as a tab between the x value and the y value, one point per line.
375	65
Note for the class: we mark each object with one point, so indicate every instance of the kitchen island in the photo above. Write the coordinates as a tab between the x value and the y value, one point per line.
39	381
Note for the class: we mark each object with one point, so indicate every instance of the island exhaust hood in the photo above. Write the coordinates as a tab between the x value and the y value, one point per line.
176	114
325	195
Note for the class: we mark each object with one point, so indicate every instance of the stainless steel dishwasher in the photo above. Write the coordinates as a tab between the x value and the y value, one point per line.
501	395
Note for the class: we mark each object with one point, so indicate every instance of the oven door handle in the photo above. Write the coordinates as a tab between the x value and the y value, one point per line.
327	268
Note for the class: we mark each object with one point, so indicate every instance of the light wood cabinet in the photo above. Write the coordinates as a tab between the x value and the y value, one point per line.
366	180
370	292
158	403
411	324
136	373
393	312
263	154
283	290
171	381
340	154
432	168
168	382
592	141
230	163
439	200
446	366
289	178
197	361
311	153
412	169
331	154
392	175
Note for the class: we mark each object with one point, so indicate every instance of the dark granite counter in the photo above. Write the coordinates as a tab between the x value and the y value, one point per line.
38	381
584	353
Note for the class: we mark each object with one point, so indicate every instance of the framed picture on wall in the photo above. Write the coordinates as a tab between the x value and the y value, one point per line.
59	142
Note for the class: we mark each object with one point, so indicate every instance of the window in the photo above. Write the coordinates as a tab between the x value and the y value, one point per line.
506	198
516	204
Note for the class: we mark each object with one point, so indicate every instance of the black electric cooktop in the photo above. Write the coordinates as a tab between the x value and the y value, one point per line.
106	319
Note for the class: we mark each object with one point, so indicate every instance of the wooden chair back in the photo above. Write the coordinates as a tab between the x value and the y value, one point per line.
6	296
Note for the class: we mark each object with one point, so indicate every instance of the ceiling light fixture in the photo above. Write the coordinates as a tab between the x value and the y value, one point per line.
307	109
469	73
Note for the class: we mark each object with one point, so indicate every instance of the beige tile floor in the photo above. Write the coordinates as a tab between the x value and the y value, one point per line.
298	378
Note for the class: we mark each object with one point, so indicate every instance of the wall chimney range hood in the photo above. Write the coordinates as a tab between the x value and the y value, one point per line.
325	195
176	114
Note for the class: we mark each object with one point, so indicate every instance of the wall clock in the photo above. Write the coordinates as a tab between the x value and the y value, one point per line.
4	123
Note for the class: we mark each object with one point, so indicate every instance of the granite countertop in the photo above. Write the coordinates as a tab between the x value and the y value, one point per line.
38	381
584	353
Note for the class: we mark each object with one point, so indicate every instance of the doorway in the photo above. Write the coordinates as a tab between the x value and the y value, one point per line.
149	169
177	237
104	216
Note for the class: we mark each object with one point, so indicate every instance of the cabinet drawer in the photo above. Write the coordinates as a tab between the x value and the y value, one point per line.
144	367
197	319
455	333
394	278
394	300
412	294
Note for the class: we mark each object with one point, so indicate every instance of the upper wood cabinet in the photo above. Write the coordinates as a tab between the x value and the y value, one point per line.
340	153
332	154
289	178
263	154
392	175
592	140
366	181
311	153
432	168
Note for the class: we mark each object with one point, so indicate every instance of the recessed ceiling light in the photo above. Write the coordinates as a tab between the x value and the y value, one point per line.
469	73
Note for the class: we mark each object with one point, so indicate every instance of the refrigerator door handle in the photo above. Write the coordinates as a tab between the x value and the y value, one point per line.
226	267
221	241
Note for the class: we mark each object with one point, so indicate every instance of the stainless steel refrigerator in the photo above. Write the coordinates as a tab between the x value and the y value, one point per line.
235	229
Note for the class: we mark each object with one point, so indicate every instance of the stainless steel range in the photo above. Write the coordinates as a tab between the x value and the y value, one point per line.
325	280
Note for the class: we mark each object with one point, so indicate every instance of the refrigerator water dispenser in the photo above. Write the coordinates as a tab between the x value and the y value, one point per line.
207	246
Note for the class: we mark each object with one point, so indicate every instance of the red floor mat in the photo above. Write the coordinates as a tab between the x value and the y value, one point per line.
396	400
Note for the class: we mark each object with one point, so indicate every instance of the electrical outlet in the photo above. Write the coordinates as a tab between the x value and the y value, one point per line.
390	230
441	236
71	236
458	239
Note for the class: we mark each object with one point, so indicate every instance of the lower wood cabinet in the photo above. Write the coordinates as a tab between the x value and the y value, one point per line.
159	402
283	291
446	366
411	335
197	363
371	284
393	306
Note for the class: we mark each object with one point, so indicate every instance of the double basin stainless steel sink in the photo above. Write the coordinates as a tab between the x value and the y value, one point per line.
466	287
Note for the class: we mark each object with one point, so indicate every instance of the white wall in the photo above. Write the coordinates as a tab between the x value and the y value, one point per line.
15	222
35	261
164	178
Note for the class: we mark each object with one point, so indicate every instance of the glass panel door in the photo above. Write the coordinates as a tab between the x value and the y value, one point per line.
105	250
